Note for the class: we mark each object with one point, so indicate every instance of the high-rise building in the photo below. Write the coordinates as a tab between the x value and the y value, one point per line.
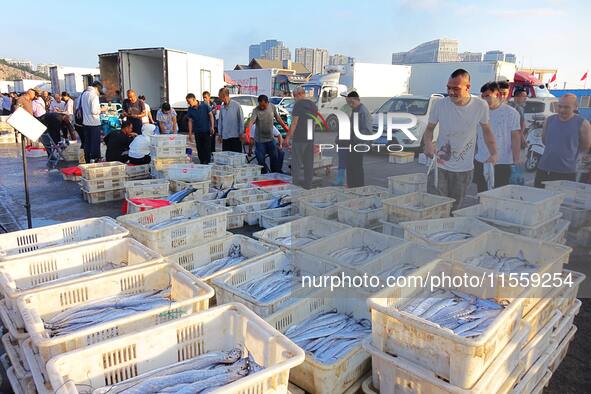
470	56
278	52
337	59
511	58
315	59
21	63
44	68
492	56
436	51
259	50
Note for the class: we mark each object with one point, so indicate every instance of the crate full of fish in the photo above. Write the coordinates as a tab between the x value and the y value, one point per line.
275	217
502	254
576	193
47	239
22	276
272	282
102	196
323	205
91	310
189	172
329	327
173	228
409	183
109	169
301	232
392	375
137	171
253	210
147	188
217	257
446	233
233	159
168	151
417	206
536	345
355	247
202	188
168	140
222	179
454	332
368	191
300	193
522	204
394	229
227	349
363	212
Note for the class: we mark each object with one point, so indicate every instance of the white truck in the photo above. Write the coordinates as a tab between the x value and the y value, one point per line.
75	84
58	78
160	74
375	83
22	85
430	78
267	81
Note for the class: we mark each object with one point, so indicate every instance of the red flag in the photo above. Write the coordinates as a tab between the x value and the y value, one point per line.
584	76
553	78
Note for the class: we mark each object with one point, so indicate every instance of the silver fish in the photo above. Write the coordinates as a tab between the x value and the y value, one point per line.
502	263
448	236
233	258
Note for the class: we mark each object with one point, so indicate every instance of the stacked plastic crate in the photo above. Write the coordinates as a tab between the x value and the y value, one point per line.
7	133
102	182
576	208
165	151
231	169
136	193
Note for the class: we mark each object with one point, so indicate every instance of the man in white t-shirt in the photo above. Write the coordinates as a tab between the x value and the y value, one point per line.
457	116
505	124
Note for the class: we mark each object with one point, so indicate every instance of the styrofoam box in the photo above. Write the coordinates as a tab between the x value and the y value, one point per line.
417	206
317	227
401	157
20	277
220	328
226	285
370	190
409	183
201	255
313	375
146	188
188	294
398	375
522	204
103	196
577	215
539	343
102	184
189	172
533	376
542	229
308	208
461	361
234	159
47	239
208	222
168	140
575	192
13	351
560	352
110	169
363	212
356	238
420	230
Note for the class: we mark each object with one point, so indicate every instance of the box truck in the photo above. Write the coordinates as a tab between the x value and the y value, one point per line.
58	78
267	81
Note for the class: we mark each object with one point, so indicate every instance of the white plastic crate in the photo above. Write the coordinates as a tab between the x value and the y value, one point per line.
47	239
522	204
220	328
558	355
71	178
566	296
110	169
252	211
188	294
189	172
370	190
401	157
226	285
549	258
489	215
28	274
308	208
137	171
557	233
147	188
18	386
417	206
394	229
199	256
575	192
252	198
363	212
71	153
356	238
164	164
247	170
461	361
533	376
168	151
543	383
576	215
168	140
541	311
537	345
235	196
103	196
275	217
133	207
222	179
233	159
14	353
313	375
410	183
300	193
102	184
420	230
206	222
236	218
202	188
319	228
564	325
392	375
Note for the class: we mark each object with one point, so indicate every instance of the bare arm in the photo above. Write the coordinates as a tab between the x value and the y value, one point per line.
585	138
174	125
428	139
211	124
190	129
150	118
281	122
516	146
294	124
491	143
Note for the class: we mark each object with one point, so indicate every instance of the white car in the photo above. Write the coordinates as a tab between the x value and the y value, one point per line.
538	106
248	102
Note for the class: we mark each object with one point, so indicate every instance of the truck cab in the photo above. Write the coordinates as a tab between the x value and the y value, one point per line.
327	93
533	86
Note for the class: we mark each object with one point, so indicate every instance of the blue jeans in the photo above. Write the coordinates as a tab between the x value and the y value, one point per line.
92	143
262	149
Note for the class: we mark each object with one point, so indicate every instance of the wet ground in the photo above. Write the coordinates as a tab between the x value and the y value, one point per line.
54	200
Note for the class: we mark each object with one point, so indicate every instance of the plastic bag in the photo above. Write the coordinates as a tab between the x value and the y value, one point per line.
516	177
489	175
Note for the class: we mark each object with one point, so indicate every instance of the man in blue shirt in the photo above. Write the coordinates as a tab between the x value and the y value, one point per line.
200	121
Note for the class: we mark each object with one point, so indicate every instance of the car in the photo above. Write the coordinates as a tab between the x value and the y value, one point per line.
281	101
248	102
419	106
536	107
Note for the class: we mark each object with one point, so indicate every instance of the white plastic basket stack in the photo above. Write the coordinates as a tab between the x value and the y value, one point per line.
313	375
576	208
72	152
221	328
159	167
103	182
410	183
417	206
177	227
202	187
168	146
147	188
301	264
135	172
189	172
233	159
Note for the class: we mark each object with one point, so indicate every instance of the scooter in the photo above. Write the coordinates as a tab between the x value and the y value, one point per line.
535	145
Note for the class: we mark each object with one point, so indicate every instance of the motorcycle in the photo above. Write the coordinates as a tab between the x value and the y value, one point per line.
535	145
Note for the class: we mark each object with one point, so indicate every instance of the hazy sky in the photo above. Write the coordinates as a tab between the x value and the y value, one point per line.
542	33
